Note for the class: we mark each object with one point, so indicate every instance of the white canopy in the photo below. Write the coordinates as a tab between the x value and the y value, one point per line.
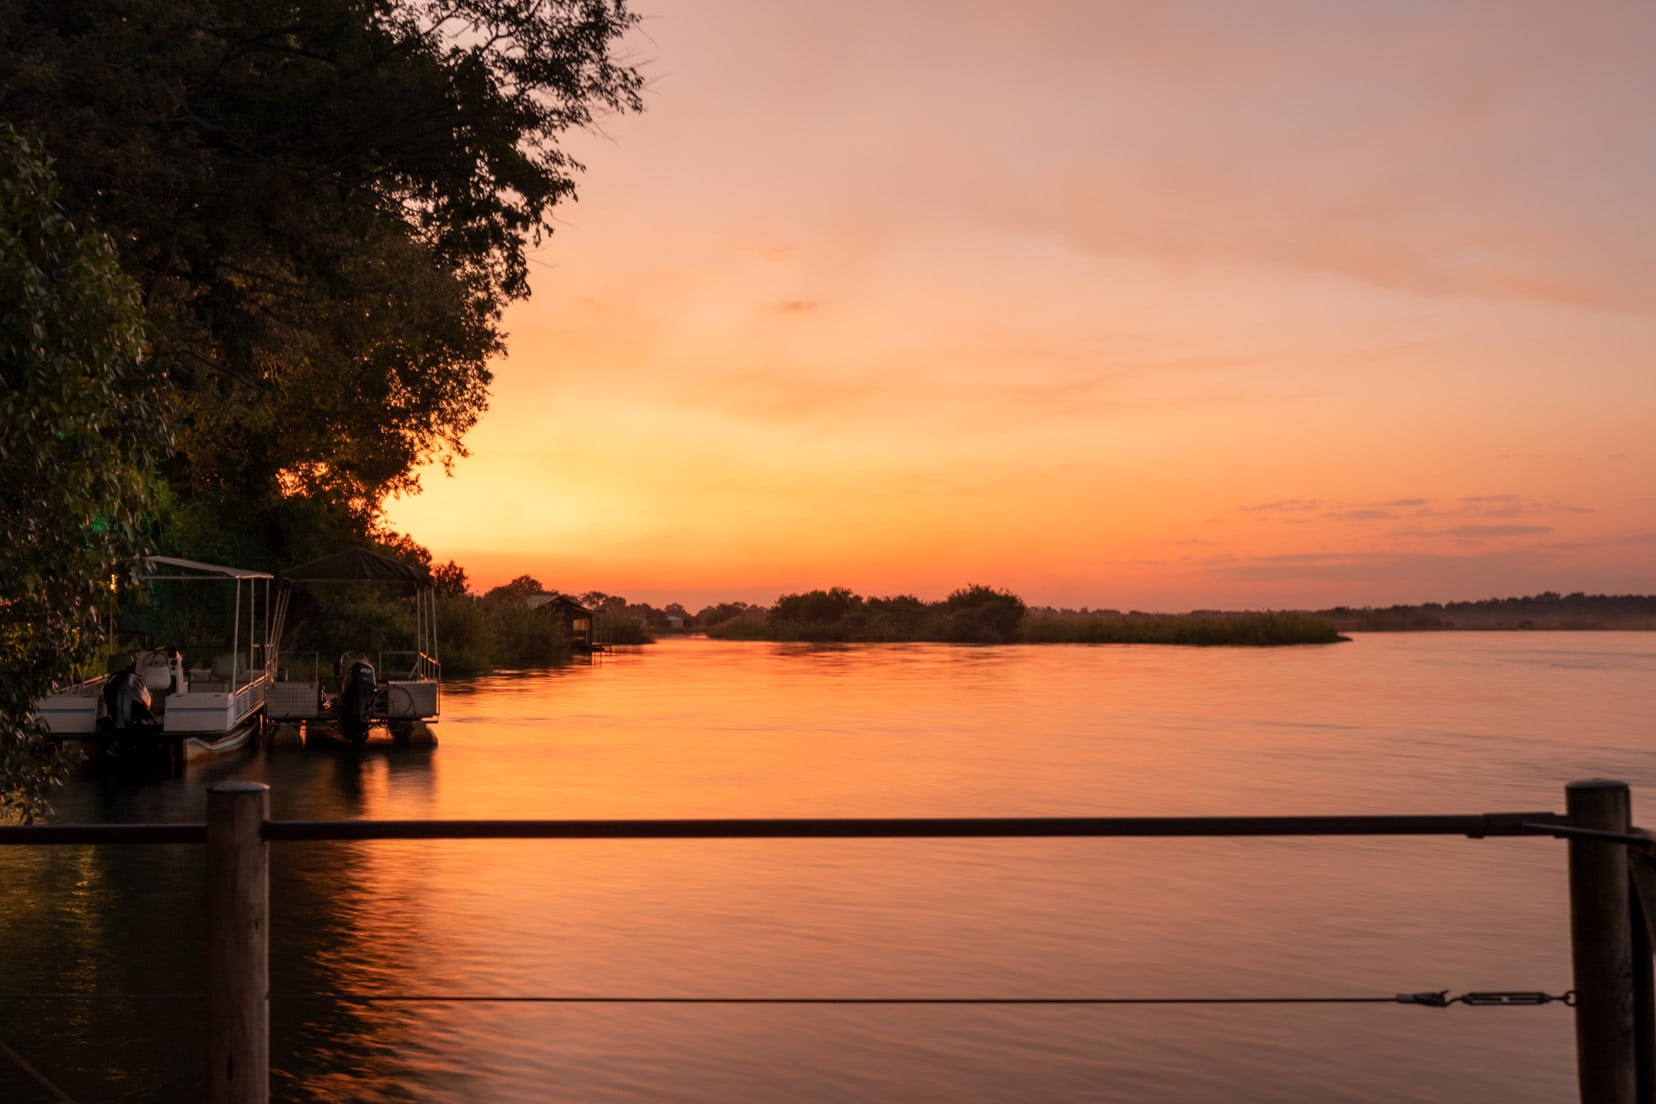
158	565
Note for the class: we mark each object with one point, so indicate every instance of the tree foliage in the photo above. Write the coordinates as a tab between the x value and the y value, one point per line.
323	207
327	204
816	607
517	592
970	615
977	614
81	433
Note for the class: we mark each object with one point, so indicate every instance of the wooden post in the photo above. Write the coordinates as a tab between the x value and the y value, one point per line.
1644	1001
1641	864
1601	944
238	944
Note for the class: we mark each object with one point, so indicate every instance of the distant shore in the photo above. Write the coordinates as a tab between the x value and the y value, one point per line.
983	615
978	614
1548	611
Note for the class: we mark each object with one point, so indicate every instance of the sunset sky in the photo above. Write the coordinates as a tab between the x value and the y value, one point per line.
1155	306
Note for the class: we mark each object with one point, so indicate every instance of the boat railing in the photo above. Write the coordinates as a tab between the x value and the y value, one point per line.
1611	888
250	695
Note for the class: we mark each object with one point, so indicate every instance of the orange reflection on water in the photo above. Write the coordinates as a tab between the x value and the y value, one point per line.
696	728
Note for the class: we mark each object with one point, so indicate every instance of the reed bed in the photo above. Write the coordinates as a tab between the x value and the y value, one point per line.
1249	629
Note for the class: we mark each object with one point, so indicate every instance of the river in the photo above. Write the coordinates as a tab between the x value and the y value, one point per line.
1445	723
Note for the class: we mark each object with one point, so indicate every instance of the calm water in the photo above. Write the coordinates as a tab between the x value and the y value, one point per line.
1455	723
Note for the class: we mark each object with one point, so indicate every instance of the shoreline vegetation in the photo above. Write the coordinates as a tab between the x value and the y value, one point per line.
978	614
496	630
513	627
1548	610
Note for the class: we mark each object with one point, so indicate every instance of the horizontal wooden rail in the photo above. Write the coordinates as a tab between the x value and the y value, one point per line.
1475	826
103	833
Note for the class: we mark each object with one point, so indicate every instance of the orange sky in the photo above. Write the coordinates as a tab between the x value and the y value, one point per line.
1114	304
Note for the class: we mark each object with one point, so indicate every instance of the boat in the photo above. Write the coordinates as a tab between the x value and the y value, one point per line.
398	690
154	698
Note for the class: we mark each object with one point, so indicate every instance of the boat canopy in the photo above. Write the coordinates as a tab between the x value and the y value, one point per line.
357	565
171	567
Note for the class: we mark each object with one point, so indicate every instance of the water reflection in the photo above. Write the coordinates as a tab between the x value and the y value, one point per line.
701	729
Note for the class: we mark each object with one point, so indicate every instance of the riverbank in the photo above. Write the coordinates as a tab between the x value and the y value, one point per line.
1250	628
1546	611
983	615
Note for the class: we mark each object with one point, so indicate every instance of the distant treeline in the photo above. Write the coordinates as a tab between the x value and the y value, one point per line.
498	629
985	615
1547	610
970	615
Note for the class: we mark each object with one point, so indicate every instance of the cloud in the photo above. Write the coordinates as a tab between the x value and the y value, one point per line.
1477	532
796	306
1361	515
1453	574
1283	505
1469	178
1511	505
1322	566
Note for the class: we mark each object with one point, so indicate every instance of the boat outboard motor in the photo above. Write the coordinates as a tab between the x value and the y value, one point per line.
356	701
127	702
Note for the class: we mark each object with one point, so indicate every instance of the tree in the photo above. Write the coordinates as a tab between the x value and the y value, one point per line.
719	613
977	614
599	602
516	592
82	429
327	204
450	579
816	607
898	617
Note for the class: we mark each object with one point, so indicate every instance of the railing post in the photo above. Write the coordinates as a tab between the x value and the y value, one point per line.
1644	999
238	944
1601	944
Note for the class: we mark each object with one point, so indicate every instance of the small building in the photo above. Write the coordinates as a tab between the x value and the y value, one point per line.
577	619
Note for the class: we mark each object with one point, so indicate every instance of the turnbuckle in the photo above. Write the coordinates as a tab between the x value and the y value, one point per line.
1507	998
1514	998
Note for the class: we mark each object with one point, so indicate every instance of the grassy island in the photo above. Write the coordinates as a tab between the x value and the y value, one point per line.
985	615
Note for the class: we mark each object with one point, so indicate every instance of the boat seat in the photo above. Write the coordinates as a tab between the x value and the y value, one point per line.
152	668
